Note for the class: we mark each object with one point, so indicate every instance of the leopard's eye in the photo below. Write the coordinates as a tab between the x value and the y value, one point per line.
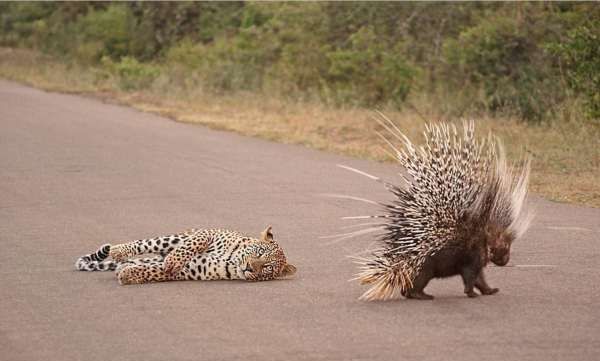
268	268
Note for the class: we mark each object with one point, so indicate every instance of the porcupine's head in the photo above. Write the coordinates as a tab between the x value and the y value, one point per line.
501	205
499	247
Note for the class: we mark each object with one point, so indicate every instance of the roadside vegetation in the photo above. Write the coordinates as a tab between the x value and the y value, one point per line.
311	73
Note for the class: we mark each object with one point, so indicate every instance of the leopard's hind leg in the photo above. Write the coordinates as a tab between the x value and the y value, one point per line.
158	245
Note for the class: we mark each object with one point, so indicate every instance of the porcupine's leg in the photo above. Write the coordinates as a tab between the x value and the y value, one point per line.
420	282
482	285
469	276
470	273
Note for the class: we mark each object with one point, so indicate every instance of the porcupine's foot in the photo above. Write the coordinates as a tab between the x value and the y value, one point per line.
490	291
418	295
470	274
483	287
417	292
471	293
469	288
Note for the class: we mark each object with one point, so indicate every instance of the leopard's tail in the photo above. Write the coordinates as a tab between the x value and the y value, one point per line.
97	261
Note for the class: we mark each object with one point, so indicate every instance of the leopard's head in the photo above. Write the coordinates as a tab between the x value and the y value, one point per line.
266	260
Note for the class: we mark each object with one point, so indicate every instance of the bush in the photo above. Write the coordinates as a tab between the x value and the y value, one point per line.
186	54
500	57
239	64
103	33
19	22
132	74
580	57
368	74
530	60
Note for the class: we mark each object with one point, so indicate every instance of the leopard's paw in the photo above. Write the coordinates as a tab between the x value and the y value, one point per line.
173	264
130	275
121	252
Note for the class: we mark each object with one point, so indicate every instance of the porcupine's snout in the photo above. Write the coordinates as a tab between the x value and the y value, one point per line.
500	256
499	247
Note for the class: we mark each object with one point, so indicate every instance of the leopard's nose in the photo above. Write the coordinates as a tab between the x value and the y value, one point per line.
248	268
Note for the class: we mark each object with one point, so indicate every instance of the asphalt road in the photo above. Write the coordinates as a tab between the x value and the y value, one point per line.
76	173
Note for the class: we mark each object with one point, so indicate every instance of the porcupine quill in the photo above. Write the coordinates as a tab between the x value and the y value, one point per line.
461	206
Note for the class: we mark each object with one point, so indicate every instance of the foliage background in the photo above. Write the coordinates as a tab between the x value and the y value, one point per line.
311	73
533	61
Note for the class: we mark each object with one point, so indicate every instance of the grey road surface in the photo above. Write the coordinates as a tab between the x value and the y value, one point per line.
76	173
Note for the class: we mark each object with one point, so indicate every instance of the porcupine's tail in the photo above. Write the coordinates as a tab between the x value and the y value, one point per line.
386	277
97	261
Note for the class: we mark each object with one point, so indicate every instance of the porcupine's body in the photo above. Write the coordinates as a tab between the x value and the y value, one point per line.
462	207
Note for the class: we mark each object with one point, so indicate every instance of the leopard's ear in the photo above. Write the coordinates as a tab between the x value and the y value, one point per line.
288	270
267	234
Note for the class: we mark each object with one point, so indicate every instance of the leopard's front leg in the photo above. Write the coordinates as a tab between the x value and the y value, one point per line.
143	273
192	246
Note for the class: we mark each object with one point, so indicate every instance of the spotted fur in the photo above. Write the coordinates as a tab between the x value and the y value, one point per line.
197	254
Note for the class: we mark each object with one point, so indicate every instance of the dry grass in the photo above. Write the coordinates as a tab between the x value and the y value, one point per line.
566	156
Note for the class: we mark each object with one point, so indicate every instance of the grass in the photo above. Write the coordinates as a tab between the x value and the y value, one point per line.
566	155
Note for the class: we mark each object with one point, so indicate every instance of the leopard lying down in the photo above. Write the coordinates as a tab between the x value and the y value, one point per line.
197	254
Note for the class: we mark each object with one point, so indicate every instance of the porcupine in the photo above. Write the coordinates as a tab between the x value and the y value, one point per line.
462	206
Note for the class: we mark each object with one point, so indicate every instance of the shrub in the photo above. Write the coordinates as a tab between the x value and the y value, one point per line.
185	54
20	21
132	74
501	58
579	55
367	73
107	30
530	60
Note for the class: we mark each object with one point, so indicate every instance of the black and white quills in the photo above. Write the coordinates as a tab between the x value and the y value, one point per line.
460	207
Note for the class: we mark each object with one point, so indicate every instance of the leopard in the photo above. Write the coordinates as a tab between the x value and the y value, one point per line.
195	254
